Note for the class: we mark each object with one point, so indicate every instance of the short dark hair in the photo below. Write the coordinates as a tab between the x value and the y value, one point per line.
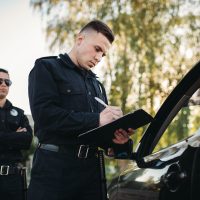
4	70
100	27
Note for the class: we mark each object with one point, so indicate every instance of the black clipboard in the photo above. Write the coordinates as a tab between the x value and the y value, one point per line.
104	134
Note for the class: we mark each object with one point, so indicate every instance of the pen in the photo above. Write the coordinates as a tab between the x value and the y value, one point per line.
101	102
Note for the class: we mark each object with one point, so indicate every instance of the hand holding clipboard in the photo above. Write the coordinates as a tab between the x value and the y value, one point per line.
105	134
121	136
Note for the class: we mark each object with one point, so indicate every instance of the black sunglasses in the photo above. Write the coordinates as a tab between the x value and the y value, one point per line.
6	81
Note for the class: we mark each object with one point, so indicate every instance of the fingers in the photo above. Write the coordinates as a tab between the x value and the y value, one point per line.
116	111
131	131
113	109
121	136
20	129
110	114
122	133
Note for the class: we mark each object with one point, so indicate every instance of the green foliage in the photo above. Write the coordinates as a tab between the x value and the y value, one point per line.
30	151
155	41
176	131
184	124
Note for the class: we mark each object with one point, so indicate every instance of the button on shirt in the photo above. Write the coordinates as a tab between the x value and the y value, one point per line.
62	100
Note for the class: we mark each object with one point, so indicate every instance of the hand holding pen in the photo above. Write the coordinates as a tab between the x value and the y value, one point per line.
109	114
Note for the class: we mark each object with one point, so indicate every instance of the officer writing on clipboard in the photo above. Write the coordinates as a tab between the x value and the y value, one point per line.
61	93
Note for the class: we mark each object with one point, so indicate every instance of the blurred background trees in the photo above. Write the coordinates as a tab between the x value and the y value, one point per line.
157	42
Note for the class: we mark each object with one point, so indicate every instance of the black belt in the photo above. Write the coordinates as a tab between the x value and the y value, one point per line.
80	151
8	170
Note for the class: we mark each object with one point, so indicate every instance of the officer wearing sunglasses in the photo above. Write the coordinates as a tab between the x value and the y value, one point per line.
8	82
15	135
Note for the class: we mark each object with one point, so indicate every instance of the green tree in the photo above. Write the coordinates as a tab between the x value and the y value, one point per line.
146	53
155	41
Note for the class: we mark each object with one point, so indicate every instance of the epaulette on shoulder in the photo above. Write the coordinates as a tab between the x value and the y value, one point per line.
47	57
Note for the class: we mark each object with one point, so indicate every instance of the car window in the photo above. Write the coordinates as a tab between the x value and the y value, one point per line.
185	123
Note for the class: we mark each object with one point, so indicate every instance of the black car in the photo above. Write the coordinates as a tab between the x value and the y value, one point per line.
167	172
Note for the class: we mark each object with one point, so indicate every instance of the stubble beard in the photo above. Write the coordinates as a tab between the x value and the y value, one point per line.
2	96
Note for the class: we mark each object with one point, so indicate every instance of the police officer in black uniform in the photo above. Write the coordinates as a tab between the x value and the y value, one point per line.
15	135
61	94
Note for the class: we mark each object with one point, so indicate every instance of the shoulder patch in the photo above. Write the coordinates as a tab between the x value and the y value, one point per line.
14	112
19	110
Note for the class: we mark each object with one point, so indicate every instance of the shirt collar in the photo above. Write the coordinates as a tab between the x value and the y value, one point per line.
69	63
7	105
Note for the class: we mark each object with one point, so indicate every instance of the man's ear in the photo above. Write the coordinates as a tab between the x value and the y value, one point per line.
79	38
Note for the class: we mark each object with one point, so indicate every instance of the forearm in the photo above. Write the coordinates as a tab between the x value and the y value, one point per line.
56	119
16	140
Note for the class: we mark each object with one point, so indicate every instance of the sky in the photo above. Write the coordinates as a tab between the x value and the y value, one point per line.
22	41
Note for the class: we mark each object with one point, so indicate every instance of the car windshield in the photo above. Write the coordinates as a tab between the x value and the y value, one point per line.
185	123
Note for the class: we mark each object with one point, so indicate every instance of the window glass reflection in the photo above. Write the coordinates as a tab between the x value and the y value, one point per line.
185	123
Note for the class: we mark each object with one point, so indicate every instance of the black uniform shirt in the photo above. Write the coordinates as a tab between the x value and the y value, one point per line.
11	142
62	100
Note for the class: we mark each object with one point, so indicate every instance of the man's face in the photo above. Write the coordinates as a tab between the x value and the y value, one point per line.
3	87
90	48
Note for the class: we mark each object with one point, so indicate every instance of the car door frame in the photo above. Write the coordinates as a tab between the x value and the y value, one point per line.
174	102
